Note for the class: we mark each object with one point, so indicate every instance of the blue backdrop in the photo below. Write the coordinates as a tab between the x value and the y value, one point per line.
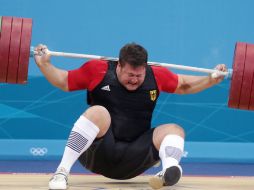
188	32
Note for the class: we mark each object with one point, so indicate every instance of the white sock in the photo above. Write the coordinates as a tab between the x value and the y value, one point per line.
171	151
81	137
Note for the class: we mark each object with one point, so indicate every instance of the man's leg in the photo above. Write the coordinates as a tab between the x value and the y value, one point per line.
91	124
169	141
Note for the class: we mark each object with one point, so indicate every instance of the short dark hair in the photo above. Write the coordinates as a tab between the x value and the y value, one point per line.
133	54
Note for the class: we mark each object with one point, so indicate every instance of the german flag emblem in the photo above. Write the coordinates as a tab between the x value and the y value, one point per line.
153	95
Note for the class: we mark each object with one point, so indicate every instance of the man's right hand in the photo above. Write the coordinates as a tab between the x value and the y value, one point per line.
41	56
57	77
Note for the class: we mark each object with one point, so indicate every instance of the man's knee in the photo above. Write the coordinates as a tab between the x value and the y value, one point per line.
100	116
162	131
174	129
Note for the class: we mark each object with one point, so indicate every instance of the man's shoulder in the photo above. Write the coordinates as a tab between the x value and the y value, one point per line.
159	70
94	65
96	62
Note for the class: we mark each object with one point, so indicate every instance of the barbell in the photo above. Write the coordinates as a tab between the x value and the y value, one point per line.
15	50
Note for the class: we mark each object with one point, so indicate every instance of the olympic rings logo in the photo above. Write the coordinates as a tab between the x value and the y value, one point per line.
38	151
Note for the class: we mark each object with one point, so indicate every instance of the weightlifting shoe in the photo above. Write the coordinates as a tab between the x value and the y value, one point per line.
168	177
59	180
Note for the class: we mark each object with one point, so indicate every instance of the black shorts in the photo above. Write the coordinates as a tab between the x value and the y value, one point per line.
120	160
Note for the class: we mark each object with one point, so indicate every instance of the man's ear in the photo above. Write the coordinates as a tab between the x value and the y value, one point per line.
119	65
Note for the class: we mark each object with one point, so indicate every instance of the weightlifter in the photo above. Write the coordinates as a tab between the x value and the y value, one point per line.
113	137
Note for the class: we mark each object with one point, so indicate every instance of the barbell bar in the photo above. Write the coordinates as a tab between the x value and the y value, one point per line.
168	65
15	50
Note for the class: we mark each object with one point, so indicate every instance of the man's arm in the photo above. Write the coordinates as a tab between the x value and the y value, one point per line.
188	84
57	77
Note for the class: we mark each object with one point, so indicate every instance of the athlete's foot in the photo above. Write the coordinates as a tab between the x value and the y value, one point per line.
168	177
59	180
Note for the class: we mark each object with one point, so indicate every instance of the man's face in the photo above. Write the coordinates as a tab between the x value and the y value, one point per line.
130	77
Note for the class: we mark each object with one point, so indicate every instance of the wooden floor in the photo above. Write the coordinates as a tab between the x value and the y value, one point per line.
95	182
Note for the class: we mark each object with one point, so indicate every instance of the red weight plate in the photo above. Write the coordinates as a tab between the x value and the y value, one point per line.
247	78
25	50
5	47
14	50
251	62
237	77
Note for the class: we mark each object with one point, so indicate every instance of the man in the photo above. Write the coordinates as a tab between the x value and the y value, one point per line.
113	137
